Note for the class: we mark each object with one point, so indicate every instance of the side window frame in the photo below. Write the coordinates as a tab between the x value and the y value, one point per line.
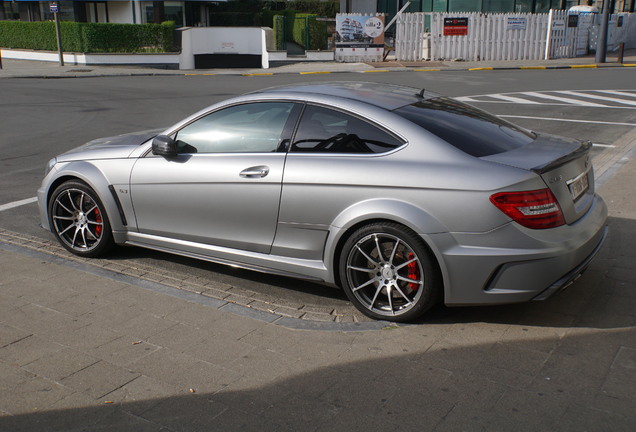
286	133
307	105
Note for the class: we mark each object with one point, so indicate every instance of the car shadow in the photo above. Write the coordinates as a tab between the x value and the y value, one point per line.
601	298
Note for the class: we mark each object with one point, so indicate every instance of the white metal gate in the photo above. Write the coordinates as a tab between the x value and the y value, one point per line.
425	35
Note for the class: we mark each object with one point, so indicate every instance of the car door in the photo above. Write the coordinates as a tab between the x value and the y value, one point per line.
223	188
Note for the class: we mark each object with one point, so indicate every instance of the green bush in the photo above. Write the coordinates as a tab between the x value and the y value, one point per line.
301	28
88	37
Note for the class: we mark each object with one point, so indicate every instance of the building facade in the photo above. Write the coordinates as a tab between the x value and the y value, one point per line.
183	13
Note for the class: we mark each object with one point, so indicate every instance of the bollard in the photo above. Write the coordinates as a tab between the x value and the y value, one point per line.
0	58
621	51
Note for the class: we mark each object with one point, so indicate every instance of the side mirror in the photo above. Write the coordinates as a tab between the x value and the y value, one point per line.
163	145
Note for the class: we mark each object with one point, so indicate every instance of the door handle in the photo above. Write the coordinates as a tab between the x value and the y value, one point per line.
255	172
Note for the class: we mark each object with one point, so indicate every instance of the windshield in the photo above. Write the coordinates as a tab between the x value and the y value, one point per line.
469	129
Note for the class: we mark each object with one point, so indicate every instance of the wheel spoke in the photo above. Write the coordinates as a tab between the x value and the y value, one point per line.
66	229
57	201
83	231
87	212
375	297
377	245
361	269
70	198
404	264
81	203
367	283
74	236
63	217
408	300
91	234
389	297
394	251
413	281
371	260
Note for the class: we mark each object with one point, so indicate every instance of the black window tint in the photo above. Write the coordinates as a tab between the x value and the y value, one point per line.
247	128
469	129
328	131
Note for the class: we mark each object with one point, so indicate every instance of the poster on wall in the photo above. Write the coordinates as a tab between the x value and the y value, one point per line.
456	26
359	37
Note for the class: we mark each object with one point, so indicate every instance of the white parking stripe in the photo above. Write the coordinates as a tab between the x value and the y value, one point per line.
563	99
598	97
15	204
569	120
513	99
618	93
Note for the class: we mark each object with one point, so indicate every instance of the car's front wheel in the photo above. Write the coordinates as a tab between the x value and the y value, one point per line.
388	273
78	219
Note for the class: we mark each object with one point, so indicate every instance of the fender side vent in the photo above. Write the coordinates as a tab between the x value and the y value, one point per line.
118	204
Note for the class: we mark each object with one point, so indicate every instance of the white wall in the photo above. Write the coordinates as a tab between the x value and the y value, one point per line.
222	40
120	12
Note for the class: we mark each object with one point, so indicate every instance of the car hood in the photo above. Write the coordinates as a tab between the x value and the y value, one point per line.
111	147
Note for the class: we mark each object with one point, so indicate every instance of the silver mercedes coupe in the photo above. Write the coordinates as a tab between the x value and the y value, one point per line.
400	196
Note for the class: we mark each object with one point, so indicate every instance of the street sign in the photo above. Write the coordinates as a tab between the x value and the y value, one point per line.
53	7
455	26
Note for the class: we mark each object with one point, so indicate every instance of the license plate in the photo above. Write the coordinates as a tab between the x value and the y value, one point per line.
578	186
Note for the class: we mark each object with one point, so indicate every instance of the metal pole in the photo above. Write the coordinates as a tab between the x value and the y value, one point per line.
58	35
601	44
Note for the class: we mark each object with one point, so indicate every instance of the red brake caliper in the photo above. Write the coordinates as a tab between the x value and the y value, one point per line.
98	219
414	271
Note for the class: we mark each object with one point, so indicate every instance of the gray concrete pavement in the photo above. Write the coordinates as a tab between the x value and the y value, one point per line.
39	69
81	350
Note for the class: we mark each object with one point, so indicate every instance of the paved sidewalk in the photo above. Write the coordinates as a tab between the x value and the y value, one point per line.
40	69
82	351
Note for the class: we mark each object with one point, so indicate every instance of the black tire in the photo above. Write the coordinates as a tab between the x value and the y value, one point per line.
79	221
388	272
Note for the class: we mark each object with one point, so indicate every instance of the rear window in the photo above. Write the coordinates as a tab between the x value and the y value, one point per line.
469	129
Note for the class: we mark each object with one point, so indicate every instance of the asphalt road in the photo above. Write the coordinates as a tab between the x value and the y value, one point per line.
41	118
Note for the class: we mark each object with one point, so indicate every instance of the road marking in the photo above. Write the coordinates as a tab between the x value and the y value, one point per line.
619	93
15	204
623	99
562	99
569	120
513	99
603	145
598	97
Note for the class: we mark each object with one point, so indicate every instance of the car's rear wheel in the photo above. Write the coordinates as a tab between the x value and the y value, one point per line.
388	272
78	219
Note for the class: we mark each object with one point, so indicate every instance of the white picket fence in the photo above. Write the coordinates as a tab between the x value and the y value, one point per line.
504	36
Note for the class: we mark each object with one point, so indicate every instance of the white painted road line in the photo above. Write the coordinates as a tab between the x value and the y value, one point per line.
569	120
598	97
562	99
15	204
513	99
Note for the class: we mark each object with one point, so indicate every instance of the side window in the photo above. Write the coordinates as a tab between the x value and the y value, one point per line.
323	130
253	127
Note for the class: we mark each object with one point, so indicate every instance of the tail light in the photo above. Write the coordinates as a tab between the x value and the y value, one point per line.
537	209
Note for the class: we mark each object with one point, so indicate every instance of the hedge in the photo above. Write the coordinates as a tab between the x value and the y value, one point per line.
88	37
292	26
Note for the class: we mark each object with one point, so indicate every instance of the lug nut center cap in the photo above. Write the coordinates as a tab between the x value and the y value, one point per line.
387	273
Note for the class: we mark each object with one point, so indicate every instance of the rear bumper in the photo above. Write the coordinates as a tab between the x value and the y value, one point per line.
514	264
572	276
